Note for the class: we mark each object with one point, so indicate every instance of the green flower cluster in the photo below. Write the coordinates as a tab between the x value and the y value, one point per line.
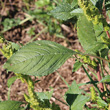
92	13
6	49
87	60
93	94
1	39
32	98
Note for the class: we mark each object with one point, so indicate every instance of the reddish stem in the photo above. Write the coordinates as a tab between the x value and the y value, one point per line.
108	34
104	14
99	78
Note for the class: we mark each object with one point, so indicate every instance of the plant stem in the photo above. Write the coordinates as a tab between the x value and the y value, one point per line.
38	34
92	81
63	79
99	78
92	72
107	60
9	93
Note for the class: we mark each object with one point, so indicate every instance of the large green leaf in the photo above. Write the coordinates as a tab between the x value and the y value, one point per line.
10	105
62	11
86	33
38	58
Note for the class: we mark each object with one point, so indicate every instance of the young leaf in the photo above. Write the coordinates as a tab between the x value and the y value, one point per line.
76	66
11	81
45	95
15	46
106	79
101	103
10	105
74	89
41	3
38	58
62	12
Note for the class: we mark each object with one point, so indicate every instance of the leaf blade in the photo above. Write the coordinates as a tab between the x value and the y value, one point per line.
38	58
62	11
86	33
10	105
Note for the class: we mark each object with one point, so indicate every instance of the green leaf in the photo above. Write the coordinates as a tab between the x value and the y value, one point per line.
79	102
74	3
95	47
76	66
38	58
86	33
72	92
94	2
104	52
98	29
62	12
10	105
11	81
45	95
106	79
31	31
77	11
15	46
101	103
41	3
9	23
76	101
74	89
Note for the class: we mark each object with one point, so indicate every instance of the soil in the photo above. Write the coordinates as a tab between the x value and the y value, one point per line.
19	34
